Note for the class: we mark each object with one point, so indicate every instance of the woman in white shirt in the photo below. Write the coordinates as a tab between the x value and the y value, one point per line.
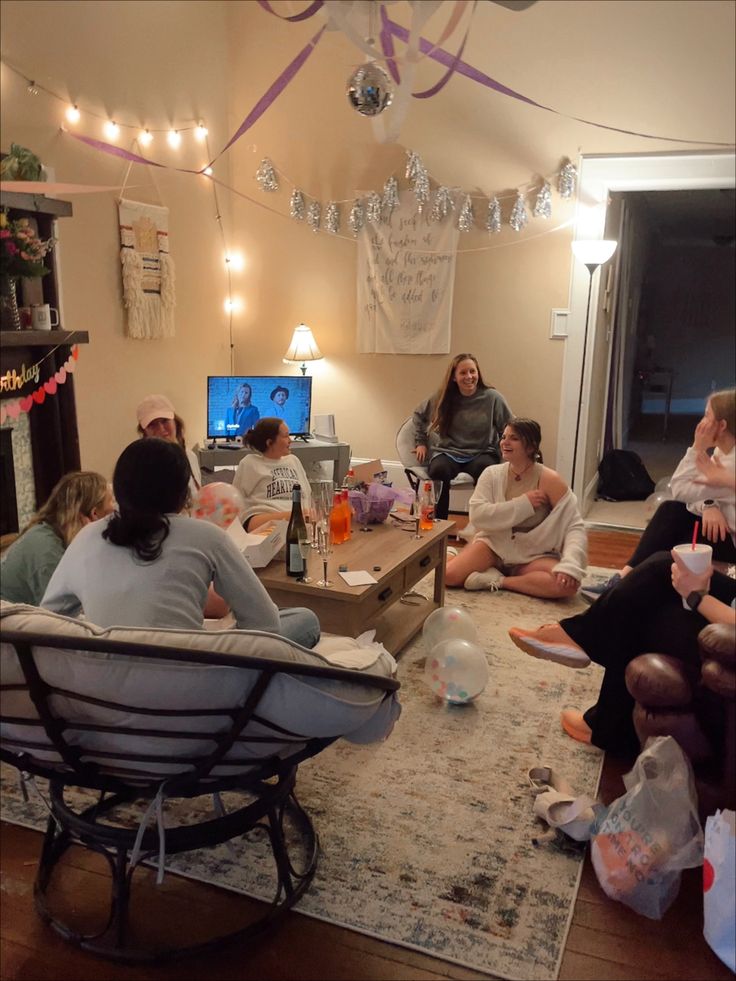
704	490
267	476
530	536
157	417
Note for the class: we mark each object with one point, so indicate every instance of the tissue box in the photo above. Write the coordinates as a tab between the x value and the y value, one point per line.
261	546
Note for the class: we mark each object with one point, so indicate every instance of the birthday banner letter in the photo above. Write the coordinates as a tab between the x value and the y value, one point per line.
406	274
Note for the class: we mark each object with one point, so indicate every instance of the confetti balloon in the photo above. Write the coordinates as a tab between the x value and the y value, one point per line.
456	670
220	504
369	90
448	623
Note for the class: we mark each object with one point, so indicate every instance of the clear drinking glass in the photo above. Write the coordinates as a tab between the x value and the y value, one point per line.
323	544
436	491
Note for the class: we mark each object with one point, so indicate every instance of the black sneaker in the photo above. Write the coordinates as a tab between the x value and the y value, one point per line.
593	592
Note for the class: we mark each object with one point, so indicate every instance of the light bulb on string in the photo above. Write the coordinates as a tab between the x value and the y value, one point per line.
207	172
235	261
31	89
200	132
233	304
73	114
174	138
112	130
145	138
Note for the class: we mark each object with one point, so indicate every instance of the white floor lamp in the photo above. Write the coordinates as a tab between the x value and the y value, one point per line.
592	253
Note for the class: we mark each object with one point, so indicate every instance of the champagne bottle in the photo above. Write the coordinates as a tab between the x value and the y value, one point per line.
348	512
297	529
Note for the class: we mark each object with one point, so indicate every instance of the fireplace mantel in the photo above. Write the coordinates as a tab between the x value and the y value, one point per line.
42	338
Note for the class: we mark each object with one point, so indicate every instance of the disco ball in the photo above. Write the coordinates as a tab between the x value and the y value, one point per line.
369	90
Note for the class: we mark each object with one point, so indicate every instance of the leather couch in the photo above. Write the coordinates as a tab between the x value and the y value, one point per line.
697	708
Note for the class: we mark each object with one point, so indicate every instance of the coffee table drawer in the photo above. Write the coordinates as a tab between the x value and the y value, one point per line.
420	565
390	592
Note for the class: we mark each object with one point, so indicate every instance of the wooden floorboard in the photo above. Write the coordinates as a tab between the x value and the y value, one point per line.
606	940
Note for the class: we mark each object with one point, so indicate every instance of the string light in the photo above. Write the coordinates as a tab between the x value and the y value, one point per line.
173	137
112	130
207	172
235	261
32	90
73	114
233	304
145	138
201	131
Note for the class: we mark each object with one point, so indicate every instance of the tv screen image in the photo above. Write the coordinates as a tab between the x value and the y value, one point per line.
235	403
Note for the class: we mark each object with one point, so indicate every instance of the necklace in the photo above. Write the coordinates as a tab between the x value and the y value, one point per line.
518	476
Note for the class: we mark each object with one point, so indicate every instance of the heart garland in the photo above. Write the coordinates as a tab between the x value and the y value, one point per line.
11	409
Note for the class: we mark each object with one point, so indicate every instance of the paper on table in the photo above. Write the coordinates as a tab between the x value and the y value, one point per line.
358	578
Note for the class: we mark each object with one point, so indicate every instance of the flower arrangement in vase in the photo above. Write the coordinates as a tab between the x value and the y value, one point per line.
21	254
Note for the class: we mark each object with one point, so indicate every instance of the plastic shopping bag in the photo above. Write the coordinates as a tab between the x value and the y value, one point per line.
647	837
719	896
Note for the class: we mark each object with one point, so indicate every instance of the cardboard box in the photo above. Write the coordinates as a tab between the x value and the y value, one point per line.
366	473
261	546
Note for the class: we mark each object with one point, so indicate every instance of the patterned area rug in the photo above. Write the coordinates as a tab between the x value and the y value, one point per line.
427	838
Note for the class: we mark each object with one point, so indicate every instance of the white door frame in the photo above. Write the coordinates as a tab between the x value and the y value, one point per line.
598	175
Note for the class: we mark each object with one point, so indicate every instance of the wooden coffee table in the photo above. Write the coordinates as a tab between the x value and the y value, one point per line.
349	610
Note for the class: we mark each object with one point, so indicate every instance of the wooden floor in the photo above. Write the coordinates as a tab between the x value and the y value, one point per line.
606	940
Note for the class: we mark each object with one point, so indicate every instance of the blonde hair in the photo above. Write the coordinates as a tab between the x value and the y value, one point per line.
74	497
723	404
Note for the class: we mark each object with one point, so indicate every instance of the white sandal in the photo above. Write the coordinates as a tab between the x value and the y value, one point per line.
543	778
573	815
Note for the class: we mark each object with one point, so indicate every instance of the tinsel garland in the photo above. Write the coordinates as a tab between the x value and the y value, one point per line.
375	208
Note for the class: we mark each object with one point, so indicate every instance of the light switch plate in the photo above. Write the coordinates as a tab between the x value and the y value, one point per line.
558	324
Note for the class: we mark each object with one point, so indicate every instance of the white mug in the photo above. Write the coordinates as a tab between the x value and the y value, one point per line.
41	316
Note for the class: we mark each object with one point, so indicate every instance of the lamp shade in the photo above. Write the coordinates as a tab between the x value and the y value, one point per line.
303	346
594	252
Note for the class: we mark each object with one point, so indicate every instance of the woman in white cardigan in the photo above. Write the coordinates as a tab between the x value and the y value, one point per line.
530	537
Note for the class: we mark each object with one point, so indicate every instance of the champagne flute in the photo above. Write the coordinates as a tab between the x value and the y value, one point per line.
323	541
304	546
436	492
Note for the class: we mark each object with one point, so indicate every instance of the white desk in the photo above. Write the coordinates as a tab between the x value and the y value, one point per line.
310	452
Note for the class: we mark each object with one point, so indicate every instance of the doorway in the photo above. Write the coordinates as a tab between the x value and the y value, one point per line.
603	181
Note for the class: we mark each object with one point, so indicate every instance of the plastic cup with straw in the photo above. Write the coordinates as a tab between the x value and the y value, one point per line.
697	557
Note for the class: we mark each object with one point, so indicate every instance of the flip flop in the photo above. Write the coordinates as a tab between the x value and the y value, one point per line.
575	816
544	778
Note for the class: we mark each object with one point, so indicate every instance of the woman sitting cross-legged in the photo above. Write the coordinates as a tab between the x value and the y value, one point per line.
644	613
530	536
148	565
27	566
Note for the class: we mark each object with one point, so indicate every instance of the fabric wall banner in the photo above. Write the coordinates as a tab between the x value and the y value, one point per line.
406	274
148	270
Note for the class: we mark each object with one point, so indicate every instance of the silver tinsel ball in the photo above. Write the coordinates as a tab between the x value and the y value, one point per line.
332	218
519	217
466	218
266	176
374	208
390	197
296	205
543	204
369	90
356	218
567	181
442	204
314	215
493	218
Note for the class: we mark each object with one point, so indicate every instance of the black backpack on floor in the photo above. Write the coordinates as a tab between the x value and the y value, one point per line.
623	477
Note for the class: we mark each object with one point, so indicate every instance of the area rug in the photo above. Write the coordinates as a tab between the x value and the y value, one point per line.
427	837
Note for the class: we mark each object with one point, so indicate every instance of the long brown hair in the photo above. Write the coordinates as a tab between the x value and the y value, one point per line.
73	498
530	433
448	394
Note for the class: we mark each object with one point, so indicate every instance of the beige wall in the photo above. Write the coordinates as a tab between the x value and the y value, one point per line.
623	64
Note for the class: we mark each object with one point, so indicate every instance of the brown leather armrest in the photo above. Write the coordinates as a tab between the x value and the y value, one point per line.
658	680
717	642
719	679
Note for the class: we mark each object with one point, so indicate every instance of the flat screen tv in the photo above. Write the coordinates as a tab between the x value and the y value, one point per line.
236	402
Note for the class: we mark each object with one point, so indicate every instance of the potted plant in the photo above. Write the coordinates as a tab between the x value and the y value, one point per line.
21	254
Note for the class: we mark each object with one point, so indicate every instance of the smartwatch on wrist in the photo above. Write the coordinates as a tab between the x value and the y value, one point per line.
694	600
709	503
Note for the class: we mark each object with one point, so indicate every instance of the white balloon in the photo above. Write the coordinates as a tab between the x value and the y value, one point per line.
218	503
663	486
446	623
456	670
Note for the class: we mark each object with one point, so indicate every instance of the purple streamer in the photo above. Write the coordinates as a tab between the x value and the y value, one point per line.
273	92
462	68
117	151
304	15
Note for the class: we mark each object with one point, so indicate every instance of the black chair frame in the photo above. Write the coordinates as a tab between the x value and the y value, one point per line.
268	784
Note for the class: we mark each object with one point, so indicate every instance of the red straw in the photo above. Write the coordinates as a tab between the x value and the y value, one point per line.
695	535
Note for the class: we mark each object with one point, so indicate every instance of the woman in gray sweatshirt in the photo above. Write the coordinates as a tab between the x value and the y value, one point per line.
457	429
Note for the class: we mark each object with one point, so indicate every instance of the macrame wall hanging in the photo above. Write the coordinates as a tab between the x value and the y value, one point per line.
148	270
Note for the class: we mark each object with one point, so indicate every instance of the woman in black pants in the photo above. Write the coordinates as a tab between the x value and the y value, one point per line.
704	490
643	614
